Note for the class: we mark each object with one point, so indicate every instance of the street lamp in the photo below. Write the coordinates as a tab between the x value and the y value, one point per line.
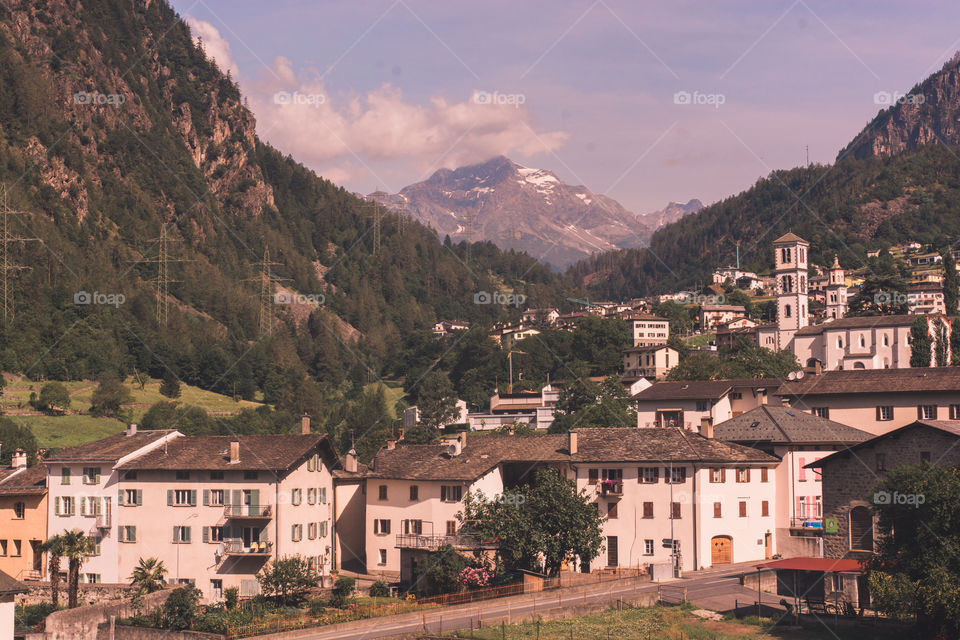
179	542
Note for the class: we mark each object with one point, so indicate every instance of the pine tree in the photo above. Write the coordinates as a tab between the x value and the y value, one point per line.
170	385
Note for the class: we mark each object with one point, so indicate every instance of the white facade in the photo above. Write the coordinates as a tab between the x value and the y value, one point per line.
790	263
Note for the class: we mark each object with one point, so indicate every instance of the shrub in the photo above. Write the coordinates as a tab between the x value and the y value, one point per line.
342	590
379	589
316	606
231	597
180	607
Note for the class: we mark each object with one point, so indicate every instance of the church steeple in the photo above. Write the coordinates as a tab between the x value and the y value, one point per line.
836	291
790	257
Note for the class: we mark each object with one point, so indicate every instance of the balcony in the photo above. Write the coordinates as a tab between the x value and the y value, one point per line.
416	541
813	523
236	547
611	488
248	511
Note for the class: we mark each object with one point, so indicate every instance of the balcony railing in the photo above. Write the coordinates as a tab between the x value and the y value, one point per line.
256	512
237	547
815	523
611	488
416	541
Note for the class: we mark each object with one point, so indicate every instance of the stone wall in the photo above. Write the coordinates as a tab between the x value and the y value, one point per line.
849	480
89	593
121	632
83	622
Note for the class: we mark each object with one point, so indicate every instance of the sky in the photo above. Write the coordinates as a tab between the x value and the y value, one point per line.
646	102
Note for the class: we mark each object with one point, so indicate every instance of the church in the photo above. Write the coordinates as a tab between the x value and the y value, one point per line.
872	342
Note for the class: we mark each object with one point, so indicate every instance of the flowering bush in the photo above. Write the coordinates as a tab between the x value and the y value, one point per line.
475	577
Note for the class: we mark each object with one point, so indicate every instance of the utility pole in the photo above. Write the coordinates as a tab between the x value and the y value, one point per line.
7	263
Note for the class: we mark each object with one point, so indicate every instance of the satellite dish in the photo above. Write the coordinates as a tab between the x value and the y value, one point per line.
800	375
792	375
452	449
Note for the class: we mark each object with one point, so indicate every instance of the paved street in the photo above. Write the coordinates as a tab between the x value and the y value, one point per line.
715	589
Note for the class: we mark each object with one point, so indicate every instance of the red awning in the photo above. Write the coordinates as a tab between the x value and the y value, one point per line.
814	564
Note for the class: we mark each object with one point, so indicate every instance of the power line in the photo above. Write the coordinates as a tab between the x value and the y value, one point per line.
268	282
7	263
162	280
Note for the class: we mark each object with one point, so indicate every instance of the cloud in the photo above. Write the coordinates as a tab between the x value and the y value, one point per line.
215	46
297	115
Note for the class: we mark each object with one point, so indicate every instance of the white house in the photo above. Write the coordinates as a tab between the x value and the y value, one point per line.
686	403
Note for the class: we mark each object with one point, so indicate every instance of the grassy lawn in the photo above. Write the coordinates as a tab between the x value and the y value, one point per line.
70	430
392	391
664	622
701	340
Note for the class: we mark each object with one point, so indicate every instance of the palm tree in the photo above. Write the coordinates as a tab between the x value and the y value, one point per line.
53	547
76	546
148	576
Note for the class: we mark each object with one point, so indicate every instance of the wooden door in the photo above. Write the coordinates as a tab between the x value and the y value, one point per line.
721	550
768	546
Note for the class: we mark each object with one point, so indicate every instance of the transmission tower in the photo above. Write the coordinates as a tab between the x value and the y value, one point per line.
162	280
7	263
268	282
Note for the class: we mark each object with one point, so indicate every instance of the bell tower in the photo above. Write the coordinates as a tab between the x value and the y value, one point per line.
790	260
836	291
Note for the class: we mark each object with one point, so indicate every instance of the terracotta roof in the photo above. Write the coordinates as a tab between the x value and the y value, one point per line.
29	481
783	425
627	444
722	307
9	585
947	426
111	448
702	389
789	237
874	381
858	322
257	452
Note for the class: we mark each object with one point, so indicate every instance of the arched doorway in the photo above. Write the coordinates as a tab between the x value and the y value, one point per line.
721	550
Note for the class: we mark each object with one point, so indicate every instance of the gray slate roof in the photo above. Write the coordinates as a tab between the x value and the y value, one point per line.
947	426
702	389
874	381
783	425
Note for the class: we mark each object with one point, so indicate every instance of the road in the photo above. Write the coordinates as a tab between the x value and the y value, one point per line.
715	590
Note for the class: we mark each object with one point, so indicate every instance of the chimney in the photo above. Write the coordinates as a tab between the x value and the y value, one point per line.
305	424
817	368
19	460
391	445
572	446
706	427
131	429
350	460
510	429
463	440
235	452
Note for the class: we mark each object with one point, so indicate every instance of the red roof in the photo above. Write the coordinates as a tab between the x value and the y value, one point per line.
814	564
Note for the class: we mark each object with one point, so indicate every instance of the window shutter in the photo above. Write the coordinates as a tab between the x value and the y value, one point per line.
120	497
98	475
666	475
186	533
878	413
255	501
723	475
83	506
73	507
748	474
169	497
206	534
206	499
139	497
175	533
97	506
443	492
193	497
56	506
919	412
132	533
293	532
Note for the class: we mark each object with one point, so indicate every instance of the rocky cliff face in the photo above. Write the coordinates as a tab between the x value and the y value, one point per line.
928	114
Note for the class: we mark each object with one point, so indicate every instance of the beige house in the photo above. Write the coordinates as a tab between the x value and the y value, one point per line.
877	401
712	315
650	361
685	403
648	330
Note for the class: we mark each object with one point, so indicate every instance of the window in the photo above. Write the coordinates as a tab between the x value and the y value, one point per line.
383	492
787	311
764	472
90	506
861	529
612	510
718	475
311	495
880	461
296	532
593	476
216	475
765	507
818	503
19	510
648	475
383	556
676	475
675	511
743	475
250	475
17	548
648	547
92	578
130	497
183	475
414	527
296	496
885	413
955	412
414	492
66	506
886	340
613	474
451	527
323	529
3	547
213	534
312	531
181	535
703	405
182	497
647	509
91	475
743	508
736	395
451	493
927	412
821	412
381	527
65	475
128	534
717	510
215	497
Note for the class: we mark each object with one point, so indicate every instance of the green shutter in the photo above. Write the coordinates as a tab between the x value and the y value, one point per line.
206	497
120	497
73	507
83	506
175	527
97	506
139	497
193	497
255	502
98	475
56	506
186	534
236	498
65	475
169	497
132	533
206	534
